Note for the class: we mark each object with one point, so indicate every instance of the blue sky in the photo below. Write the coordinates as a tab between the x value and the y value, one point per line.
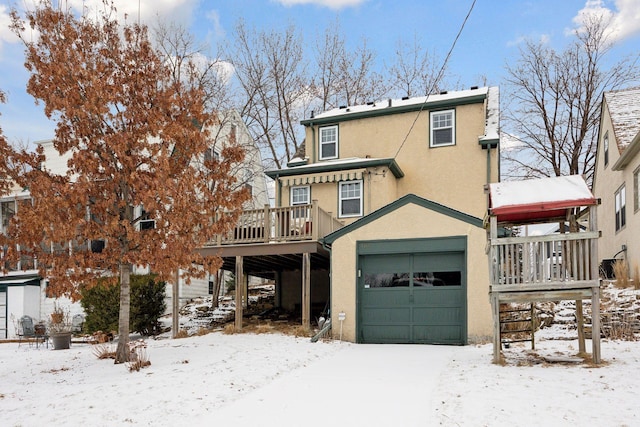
491	37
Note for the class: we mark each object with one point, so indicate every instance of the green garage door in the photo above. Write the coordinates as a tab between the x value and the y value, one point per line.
412	298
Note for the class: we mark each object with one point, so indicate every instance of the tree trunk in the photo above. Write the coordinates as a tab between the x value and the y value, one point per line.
122	352
215	295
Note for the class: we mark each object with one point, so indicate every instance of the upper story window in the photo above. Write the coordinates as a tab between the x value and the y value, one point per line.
621	208
605	143
328	142
7	211
300	196
211	154
443	125
350	195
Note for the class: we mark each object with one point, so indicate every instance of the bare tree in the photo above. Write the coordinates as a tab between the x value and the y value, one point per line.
554	103
416	71
270	69
343	76
191	63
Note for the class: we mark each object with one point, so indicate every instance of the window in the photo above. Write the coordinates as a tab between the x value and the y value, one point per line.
211	154
350	199
443	128
300	196
636	190
621	203
605	142
328	142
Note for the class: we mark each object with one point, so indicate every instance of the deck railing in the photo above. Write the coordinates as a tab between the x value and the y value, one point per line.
283	224
550	261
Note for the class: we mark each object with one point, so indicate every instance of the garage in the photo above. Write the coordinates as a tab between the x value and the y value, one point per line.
412	291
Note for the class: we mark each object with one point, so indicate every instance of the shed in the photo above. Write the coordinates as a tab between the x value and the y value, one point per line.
552	267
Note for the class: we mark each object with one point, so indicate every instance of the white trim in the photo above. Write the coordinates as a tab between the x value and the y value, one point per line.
340	199
320	143
306	202
432	128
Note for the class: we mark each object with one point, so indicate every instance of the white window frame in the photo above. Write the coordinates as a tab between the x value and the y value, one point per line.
341	199
298	213
294	202
322	143
620	208
437	126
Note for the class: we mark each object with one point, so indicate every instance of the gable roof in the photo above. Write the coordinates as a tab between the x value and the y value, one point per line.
538	199
624	110
405	200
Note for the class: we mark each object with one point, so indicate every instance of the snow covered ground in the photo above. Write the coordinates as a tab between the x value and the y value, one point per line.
279	380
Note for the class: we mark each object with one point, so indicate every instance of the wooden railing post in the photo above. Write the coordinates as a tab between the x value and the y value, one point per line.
266	234
315	220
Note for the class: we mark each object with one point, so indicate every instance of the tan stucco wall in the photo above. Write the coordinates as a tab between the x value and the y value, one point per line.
606	183
412	221
453	176
379	186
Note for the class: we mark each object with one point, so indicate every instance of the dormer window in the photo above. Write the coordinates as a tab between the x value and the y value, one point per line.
443	125
329	142
211	154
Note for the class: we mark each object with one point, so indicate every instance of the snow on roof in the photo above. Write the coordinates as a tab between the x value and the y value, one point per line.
492	127
624	109
393	103
537	199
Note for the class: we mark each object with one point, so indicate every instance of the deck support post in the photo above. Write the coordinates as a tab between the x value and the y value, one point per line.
580	325
595	324
495	309
239	291
306	290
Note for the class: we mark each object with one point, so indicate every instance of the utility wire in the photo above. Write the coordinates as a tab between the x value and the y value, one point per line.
437	79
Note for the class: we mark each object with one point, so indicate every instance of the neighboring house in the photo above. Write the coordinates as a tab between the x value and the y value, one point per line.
23	291
390	199
615	180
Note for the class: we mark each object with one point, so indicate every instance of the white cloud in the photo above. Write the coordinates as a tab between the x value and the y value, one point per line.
543	38
179	11
624	20
6	35
214	17
332	4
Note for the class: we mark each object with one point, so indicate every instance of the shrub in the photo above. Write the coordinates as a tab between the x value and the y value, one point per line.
621	273
101	304
147	304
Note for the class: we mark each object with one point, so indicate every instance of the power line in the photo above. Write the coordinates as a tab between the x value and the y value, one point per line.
437	79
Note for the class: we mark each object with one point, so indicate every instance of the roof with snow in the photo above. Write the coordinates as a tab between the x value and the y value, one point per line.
537	200
624	109
429	102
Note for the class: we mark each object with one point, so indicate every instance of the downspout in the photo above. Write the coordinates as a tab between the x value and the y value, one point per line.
313	143
328	322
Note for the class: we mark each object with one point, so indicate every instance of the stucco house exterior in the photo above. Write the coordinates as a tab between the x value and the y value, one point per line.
406	180
23	291
616	174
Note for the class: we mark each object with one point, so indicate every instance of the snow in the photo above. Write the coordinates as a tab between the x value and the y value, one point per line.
280	380
381	105
624	109
539	190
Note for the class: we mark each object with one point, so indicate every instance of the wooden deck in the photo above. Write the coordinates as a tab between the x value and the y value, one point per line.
284	224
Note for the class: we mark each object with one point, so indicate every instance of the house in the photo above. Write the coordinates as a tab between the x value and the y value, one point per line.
23	291
381	222
616	181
